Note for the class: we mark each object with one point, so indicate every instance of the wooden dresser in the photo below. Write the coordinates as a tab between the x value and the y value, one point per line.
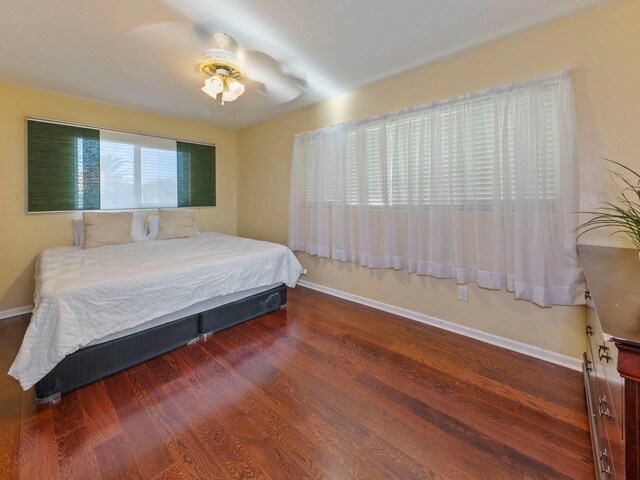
612	359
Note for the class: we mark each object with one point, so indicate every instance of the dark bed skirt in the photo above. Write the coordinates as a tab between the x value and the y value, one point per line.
233	313
95	362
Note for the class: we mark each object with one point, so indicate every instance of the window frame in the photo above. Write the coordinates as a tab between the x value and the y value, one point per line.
99	127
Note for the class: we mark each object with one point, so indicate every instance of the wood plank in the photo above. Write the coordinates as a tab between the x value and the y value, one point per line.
76	458
151	452
98	413
38	450
172	472
117	460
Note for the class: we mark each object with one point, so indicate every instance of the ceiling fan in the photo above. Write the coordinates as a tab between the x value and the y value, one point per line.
221	70
229	68
180	53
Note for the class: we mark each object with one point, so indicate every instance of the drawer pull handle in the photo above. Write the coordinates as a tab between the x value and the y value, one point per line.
604	455
605	413
603	353
587	295
589	330
606	469
603	401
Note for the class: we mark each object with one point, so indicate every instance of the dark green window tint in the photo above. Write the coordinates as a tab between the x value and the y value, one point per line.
196	175
64	167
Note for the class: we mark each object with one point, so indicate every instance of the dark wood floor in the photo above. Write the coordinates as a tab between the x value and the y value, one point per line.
322	389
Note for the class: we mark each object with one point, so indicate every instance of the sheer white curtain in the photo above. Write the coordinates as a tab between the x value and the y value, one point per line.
481	188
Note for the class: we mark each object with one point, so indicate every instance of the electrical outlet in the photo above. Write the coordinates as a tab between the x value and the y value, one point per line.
463	294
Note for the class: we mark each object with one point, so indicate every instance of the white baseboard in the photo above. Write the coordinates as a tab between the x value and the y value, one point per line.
15	312
530	350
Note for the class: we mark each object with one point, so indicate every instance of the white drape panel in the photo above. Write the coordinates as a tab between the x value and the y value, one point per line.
481	188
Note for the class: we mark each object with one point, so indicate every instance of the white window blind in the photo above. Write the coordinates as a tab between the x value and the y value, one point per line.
465	146
479	188
137	171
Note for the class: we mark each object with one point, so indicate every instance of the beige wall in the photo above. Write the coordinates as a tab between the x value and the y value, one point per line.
600	46
23	236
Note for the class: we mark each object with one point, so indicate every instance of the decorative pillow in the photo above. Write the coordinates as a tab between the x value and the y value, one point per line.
102	229
153	223
176	224
138	230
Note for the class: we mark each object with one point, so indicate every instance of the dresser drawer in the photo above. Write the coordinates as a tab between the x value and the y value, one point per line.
605	455
616	446
609	433
605	358
591	393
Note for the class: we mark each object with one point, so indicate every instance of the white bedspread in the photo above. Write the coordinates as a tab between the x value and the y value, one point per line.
84	295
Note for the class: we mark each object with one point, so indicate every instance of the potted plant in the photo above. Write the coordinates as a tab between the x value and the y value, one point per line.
625	217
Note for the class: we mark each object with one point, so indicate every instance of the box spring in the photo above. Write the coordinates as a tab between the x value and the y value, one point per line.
95	362
233	313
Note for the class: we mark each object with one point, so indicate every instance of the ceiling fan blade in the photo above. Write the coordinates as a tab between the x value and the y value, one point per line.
254	86
280	86
166	47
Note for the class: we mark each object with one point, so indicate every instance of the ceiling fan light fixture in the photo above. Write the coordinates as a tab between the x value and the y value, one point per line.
222	77
213	86
234	89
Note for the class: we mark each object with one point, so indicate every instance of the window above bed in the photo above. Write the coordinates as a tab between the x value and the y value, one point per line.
80	168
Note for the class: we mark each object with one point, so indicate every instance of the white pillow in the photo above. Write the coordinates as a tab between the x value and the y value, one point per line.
138	230
176	224
154	227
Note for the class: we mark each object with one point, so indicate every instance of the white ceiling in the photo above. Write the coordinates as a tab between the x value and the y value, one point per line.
141	53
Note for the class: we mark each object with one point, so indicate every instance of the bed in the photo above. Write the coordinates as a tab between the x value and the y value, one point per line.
102	310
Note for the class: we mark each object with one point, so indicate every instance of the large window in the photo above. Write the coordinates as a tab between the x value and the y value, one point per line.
78	168
479	188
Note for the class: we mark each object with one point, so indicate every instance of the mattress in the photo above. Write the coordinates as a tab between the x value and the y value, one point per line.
83	296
